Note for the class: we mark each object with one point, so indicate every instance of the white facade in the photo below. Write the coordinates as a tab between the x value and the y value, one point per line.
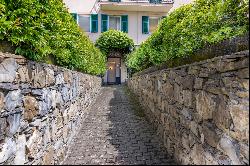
134	9
134	24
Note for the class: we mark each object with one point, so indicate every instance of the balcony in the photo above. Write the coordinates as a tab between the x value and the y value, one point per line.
137	5
140	1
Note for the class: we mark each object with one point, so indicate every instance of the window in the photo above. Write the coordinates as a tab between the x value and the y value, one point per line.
74	15
153	23
115	22
94	23
84	22
149	24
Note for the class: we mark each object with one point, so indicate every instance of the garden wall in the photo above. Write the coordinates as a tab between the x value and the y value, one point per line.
200	110
41	108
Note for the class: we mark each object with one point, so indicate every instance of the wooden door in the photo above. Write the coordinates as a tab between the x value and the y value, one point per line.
111	72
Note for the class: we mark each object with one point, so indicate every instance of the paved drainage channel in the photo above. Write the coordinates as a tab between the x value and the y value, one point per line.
114	133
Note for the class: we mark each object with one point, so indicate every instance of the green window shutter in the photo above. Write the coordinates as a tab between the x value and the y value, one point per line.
125	24
74	15
94	23
145	24
104	22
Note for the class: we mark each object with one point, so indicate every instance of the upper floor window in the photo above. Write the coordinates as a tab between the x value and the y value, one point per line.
115	22
149	24
153	23
84	22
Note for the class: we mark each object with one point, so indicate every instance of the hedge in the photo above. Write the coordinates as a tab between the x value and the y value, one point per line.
189	28
113	40
45	31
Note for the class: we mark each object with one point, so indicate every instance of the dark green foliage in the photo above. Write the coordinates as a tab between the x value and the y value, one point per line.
189	29
113	40
42	30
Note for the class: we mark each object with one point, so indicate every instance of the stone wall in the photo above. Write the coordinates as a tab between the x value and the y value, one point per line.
201	110
41	108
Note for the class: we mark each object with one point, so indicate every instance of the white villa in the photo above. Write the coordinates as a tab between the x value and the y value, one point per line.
138	18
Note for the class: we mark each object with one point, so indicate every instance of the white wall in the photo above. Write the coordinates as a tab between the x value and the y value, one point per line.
80	6
179	3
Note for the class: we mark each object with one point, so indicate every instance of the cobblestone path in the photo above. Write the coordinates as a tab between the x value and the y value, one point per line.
113	134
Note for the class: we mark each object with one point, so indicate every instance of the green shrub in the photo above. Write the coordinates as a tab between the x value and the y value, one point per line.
190	28
113	40
45	31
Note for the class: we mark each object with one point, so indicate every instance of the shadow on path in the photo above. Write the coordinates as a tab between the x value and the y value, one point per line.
133	137
116	132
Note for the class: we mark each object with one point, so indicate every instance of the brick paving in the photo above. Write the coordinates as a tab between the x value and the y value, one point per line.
113	134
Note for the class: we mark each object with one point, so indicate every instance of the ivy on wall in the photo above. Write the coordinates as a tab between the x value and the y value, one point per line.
190	28
45	31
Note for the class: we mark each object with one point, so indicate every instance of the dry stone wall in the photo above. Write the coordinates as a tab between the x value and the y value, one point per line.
41	108
201	110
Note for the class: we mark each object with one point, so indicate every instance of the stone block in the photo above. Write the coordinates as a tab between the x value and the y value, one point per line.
188	98
168	90
185	141
3	126
240	119
20	150
188	82
197	154
59	79
30	107
39	79
178	93
242	94
193	70
8	70
14	122
204	73
48	157
205	105
187	113
68	77
50	78
198	83
231	82
221	116
230	148
23	74
226	66
243	73
244	151
211	135
8	149
1	101
13	99
210	159
194	128
34	144
223	159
